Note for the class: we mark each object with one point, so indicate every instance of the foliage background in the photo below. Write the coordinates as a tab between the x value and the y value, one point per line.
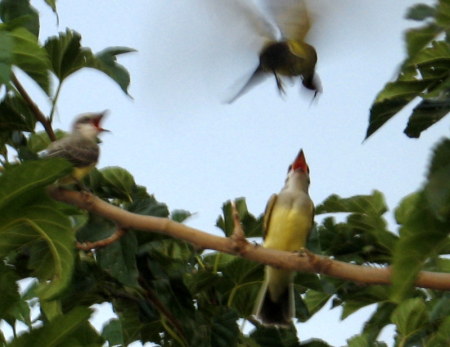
181	113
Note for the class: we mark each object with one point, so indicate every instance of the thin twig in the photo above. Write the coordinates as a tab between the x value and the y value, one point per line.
86	246
40	117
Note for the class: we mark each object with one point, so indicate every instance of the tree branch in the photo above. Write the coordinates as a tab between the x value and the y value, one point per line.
303	261
40	117
86	246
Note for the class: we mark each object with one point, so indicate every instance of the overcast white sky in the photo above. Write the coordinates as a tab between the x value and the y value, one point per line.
193	152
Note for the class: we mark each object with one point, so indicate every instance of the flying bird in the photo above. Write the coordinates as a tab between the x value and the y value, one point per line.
285	54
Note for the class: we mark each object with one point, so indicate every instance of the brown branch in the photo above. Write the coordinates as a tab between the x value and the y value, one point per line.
86	246
238	235
305	262
40	117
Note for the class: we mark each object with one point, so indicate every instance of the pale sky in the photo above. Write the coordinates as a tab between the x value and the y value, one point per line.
193	152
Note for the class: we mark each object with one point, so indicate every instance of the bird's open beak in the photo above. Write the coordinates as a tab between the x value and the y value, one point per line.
97	120
300	162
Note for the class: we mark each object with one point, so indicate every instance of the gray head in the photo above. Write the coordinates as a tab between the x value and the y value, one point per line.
88	125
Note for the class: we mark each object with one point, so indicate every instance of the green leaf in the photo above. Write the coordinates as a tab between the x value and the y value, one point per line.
10	297
419	38
425	114
6	57
59	332
421	237
420	12
442	335
12	9
437	189
365	219
409	317
363	341
443	14
119	260
383	110
438	52
112	332
14	116
252	226
51	4
29	218
30	57
68	56
106	62
368	204
315	343
118	182
180	215
378	320
19	183
315	300
272	337
224	330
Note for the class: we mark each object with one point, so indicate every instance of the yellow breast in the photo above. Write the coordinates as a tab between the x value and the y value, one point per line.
288	228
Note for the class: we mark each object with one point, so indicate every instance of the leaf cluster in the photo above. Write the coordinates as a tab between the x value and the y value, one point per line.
424	75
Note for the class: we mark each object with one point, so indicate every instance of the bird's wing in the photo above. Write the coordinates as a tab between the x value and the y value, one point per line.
80	152
268	213
291	16
257	19
256	78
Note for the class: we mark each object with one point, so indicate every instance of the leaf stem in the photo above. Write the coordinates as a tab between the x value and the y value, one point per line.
55	99
40	117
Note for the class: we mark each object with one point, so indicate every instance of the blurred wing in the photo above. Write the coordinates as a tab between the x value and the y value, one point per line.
261	24
79	152
268	213
256	78
291	16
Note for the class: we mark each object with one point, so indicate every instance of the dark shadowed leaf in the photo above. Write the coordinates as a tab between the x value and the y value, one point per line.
272	337
425	114
68	56
420	12
180	215
437	189
106	62
30	218
30	57
118	182
252	226
6	57
10	291
13	9
224	330
119	260
409	316
112	332
68	330
421	237
417	39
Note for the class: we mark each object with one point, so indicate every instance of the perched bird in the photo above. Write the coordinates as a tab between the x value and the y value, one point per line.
285	54
287	222
80	147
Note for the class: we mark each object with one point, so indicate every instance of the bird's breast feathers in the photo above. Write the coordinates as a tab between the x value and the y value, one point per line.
289	225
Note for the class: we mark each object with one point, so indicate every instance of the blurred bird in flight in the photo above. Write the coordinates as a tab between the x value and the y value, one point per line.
284	54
